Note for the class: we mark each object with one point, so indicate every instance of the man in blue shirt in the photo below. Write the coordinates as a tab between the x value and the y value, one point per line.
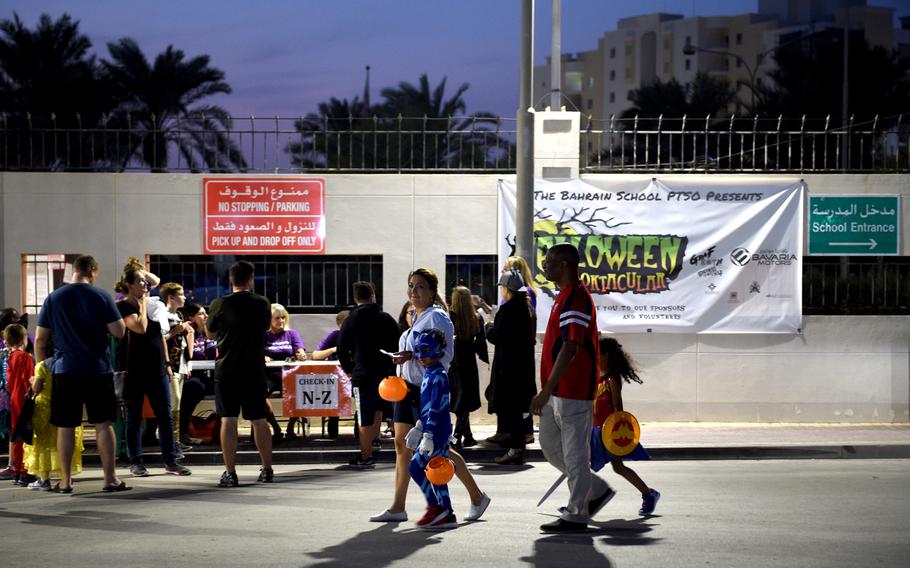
77	319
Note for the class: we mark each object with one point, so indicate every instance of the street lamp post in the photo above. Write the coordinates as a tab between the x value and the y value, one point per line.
691	49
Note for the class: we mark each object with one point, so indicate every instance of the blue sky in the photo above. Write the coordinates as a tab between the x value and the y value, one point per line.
283	57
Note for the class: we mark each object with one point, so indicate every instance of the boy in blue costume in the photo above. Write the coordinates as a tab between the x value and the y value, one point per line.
430	436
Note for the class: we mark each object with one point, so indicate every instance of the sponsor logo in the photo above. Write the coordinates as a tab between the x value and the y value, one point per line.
765	257
733	298
774	257
740	256
710	271
754	288
711	288
703	259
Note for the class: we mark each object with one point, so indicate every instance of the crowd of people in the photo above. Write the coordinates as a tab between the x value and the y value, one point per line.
434	346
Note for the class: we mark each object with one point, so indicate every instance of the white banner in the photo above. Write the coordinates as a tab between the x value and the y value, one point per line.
705	255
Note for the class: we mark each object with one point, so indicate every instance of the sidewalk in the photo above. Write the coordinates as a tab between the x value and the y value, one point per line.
663	440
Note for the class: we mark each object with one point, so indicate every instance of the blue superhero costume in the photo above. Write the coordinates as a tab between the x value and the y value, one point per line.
434	419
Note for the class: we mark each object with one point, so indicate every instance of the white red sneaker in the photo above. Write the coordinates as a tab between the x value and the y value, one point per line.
437	518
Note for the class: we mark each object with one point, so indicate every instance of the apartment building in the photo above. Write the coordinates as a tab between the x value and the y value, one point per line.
735	48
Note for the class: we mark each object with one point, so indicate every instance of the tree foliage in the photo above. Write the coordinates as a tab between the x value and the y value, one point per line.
62	109
706	96
808	80
415	126
159	99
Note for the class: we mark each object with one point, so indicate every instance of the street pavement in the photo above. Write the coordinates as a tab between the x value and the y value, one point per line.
763	513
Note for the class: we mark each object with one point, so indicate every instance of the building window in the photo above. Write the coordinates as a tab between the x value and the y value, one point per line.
590	104
41	275
590	82
612	97
477	272
739	62
612	74
688	64
759	59
688	40
612	53
739	39
304	284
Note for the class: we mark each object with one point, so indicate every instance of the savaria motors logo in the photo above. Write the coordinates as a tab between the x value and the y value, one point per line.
740	256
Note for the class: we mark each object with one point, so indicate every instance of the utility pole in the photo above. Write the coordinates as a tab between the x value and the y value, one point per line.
845	159
524	214
556	57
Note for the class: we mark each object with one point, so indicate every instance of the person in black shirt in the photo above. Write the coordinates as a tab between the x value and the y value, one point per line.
239	321
367	330
141	352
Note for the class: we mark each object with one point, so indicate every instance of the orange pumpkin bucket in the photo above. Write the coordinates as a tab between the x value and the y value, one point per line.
440	470
393	389
620	433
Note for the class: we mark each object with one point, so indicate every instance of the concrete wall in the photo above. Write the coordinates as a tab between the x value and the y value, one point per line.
854	369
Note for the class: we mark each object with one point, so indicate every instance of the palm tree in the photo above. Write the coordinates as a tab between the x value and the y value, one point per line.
335	137
50	94
436	139
415	127
157	110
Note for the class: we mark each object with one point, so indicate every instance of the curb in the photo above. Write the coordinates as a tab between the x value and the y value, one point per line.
341	455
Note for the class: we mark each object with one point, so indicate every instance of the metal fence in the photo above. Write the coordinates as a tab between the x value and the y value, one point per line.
451	145
303	284
855	285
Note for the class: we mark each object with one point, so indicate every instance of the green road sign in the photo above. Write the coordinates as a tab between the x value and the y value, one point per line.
854	224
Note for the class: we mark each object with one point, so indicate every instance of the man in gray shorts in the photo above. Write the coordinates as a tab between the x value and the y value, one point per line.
78	318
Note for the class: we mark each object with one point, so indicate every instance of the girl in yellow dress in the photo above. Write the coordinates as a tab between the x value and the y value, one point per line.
41	457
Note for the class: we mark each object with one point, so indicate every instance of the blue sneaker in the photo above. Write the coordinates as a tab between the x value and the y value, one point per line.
649	503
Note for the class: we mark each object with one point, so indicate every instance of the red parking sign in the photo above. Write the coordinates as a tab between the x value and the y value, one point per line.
263	215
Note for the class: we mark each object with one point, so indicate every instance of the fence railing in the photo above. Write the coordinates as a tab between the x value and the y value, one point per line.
449	145
854	285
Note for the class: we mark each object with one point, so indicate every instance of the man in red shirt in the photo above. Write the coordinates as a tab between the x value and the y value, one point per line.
568	374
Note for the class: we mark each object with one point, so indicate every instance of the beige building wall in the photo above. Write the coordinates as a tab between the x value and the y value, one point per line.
841	369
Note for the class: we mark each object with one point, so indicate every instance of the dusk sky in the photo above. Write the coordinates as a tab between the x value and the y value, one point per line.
283	57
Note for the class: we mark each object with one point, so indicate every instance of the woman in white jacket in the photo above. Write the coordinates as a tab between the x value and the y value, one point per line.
429	313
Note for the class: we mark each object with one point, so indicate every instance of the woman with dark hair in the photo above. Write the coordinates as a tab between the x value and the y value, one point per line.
429	313
464	380
200	382
512	377
143	354
404	317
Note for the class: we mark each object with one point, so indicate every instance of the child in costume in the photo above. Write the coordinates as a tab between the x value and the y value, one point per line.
19	368
430	436
617	368
41	457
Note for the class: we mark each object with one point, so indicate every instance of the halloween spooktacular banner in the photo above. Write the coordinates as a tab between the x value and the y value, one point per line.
706	254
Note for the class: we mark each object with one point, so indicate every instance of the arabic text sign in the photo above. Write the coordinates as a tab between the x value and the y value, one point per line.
854	224
263	215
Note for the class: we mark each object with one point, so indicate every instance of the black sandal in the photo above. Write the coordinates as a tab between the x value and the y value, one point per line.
122	486
57	489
